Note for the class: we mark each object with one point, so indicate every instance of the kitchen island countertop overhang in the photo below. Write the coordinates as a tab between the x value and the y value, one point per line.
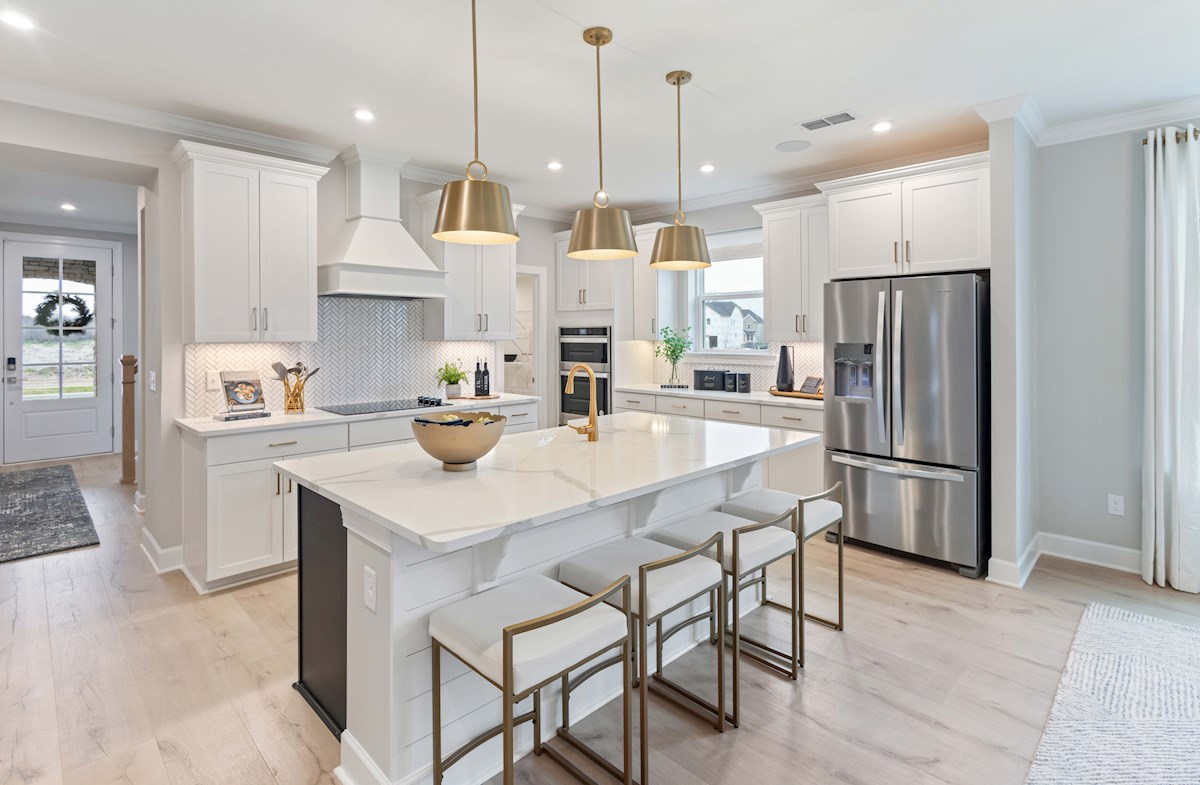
532	478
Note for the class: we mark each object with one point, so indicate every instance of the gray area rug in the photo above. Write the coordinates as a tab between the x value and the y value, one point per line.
1128	705
42	511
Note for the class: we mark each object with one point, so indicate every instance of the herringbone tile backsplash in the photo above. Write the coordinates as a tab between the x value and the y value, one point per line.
808	359
367	350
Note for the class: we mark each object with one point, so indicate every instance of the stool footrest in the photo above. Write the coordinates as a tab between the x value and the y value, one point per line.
587	752
830	623
765	653
488	734
687	700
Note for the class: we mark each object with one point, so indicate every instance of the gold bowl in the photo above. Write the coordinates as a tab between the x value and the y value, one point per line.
458	443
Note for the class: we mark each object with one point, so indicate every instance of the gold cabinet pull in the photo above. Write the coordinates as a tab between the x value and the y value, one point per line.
797	419
289	484
519	414
277	478
907	252
730	411
283	444
896	252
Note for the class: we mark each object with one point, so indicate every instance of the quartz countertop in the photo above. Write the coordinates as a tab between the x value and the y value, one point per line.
759	397
206	427
534	477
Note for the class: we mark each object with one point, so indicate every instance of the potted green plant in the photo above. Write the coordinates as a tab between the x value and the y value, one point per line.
452	376
672	345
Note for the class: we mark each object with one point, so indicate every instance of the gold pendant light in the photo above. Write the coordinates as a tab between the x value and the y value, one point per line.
475	210
601	232
679	247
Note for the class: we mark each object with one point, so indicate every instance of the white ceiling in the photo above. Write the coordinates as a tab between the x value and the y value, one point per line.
298	69
35	198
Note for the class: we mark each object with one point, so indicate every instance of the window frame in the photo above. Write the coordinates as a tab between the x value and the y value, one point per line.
698	300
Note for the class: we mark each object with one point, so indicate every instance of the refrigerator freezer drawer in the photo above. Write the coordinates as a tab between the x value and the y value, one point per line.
924	510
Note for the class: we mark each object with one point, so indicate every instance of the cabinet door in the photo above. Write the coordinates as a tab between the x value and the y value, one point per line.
498	291
462	319
288	257
599	284
570	274
225	246
245	518
947	222
290	501
784	280
814	256
865	232
645	301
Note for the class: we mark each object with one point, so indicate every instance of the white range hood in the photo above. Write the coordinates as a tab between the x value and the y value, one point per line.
375	256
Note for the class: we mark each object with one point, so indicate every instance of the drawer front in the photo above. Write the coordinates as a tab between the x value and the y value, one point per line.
794	418
638	402
684	407
381	431
276	444
732	411
519	416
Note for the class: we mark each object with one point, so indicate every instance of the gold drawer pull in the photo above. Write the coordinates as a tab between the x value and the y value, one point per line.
283	444
679	406
519	414
630	400
730	411
797	419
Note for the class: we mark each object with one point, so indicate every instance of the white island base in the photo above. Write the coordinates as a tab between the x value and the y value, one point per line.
537	500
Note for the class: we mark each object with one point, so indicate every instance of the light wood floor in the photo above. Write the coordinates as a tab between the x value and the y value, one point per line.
112	674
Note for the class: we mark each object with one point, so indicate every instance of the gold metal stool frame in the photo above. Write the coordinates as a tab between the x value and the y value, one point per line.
835	493
678	695
510	700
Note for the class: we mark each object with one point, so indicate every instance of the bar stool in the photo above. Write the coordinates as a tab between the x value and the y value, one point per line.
521	636
755	546
816	514
666	579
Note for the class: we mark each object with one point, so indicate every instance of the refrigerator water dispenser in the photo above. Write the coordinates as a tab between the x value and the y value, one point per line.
854	371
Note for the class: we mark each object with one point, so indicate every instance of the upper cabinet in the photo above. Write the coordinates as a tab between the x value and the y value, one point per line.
249	246
926	218
481	285
583	285
655	292
796	267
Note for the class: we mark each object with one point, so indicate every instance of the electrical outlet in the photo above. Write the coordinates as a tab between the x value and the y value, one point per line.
1116	505
369	588
213	381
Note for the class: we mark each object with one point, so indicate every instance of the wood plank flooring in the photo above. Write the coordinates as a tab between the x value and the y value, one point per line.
112	674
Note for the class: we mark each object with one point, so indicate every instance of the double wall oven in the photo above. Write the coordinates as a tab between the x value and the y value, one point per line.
593	346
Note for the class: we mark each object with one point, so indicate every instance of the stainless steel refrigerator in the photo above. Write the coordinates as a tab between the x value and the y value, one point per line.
906	414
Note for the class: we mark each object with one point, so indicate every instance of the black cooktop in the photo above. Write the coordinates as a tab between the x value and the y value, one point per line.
375	407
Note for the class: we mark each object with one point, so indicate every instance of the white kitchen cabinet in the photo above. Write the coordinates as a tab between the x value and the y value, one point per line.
481	285
583	285
800	471
245	519
655	292
796	267
926	218
250	246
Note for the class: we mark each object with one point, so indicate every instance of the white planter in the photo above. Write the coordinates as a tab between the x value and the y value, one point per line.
453	390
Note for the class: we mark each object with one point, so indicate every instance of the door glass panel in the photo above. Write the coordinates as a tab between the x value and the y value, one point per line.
79	381
40	382
58	335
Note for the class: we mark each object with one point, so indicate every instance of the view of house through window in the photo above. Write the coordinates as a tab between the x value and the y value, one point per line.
730	294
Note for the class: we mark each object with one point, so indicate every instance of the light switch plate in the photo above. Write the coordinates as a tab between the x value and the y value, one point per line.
213	380
369	588
1116	505
152	382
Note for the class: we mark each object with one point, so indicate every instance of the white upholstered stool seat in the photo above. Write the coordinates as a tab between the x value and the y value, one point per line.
762	504
757	548
668	587
474	630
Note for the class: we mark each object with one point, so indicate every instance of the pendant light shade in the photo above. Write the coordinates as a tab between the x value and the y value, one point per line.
600	231
679	247
475	210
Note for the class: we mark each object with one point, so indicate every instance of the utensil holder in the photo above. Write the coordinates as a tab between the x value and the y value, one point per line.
293	397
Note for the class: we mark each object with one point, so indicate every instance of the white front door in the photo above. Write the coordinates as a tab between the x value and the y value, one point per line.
58	352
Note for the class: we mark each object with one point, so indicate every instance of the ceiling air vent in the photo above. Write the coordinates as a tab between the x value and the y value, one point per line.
825	122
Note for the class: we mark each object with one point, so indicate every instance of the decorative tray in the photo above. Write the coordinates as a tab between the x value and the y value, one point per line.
810	396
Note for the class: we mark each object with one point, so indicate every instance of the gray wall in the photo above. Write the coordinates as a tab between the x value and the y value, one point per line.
1089	340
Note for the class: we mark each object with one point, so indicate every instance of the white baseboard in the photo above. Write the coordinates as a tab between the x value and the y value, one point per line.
1014	574
139	502
161	559
1100	554
356	767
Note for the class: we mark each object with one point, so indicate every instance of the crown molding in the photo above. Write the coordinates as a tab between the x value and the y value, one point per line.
356	153
154	120
1124	122
52	222
1021	108
423	175
794	185
185	152
955	163
549	214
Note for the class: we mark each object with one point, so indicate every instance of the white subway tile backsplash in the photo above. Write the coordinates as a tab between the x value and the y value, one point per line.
367	350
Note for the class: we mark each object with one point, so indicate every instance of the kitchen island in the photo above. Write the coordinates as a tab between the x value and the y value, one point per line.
416	538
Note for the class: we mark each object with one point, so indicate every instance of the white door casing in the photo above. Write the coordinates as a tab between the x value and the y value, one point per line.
59	372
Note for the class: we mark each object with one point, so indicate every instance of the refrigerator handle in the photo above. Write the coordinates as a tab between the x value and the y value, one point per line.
920	474
898	366
880	409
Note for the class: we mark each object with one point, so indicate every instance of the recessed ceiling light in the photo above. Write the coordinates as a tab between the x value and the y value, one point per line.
70	208
706	168
793	146
17	19
883	126
366	115
554	166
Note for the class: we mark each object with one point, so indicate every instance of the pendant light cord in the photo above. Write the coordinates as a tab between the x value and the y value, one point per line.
475	76
599	121
679	149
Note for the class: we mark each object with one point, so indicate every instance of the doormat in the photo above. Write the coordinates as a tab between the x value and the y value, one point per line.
42	511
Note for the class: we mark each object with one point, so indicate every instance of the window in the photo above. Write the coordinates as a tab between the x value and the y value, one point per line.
729	295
